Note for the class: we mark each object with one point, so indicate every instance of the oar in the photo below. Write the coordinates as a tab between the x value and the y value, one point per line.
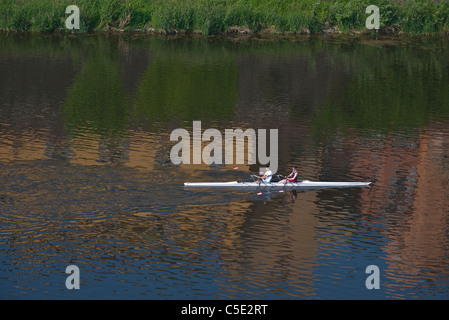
253	175
283	177
286	180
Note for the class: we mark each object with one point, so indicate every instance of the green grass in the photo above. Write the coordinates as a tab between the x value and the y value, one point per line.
218	16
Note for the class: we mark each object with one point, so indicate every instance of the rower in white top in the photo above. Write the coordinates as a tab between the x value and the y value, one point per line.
267	176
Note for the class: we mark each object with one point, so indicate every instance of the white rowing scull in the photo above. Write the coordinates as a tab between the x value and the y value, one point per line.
304	184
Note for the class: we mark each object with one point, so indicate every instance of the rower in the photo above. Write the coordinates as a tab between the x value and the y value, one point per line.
292	177
266	178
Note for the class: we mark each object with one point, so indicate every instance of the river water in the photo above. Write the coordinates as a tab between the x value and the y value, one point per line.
86	177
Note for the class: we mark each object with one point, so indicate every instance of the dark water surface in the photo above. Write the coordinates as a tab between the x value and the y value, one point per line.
86	178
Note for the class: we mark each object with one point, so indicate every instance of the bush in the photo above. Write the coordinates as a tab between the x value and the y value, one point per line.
21	19
141	12
171	15
209	16
215	16
242	15
419	16
89	16
47	17
110	12
348	15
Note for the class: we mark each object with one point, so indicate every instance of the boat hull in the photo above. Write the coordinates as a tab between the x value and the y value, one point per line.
305	184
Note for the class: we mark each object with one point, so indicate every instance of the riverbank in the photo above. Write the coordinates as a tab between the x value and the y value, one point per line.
210	17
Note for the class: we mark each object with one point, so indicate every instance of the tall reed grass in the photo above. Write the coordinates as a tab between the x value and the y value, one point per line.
220	16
